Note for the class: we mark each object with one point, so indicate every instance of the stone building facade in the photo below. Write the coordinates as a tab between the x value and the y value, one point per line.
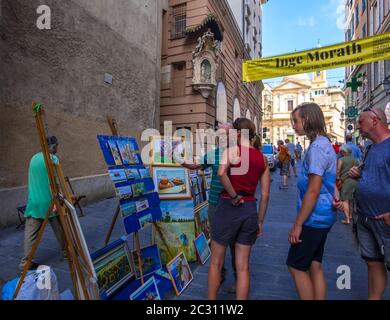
196	31
100	58
294	90
367	18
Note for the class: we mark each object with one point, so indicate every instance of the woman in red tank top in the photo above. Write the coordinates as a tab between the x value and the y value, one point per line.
237	221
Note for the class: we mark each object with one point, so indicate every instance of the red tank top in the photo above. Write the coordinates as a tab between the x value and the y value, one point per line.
246	184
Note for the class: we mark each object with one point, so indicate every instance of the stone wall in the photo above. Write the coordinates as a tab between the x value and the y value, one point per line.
64	68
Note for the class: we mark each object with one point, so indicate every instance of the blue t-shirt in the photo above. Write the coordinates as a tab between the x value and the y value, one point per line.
320	159
373	191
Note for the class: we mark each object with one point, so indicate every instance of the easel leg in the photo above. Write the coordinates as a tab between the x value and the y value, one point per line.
138	248
33	250
118	209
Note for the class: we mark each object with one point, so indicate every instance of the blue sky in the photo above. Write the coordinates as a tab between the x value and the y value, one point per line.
298	25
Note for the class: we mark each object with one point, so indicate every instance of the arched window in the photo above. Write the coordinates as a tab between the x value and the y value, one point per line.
236	110
248	114
221	103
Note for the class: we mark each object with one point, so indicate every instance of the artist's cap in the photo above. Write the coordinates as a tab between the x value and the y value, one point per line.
52	140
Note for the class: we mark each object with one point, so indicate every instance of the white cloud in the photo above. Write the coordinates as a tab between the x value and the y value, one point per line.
309	22
335	11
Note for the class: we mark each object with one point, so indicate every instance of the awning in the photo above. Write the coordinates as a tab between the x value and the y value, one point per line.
212	23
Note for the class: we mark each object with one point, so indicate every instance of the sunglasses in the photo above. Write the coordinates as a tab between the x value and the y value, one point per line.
371	109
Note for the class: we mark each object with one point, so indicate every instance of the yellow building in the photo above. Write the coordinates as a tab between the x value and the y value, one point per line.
280	101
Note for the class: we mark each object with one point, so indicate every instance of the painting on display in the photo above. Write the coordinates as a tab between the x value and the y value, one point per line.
180	273
120	151
148	291
202	248
113	268
177	228
167	150
172	183
198	189
202	222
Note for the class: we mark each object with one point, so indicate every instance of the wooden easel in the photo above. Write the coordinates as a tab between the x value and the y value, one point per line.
80	270
115	132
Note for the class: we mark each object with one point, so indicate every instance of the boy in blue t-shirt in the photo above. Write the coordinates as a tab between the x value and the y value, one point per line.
316	203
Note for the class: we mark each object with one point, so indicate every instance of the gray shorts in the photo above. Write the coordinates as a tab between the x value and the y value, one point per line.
235	224
374	240
285	169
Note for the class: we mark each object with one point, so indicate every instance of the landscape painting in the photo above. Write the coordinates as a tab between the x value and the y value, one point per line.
176	230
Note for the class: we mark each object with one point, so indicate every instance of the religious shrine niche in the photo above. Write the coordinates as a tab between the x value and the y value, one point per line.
205	62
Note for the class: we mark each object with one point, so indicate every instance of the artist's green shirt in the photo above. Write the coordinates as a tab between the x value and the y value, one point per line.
39	194
212	160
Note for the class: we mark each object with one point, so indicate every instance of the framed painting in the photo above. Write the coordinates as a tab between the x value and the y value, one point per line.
180	272
113	268
148	291
172	183
202	248
202	221
168	151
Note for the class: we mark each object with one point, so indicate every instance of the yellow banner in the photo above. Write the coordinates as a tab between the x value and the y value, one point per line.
355	52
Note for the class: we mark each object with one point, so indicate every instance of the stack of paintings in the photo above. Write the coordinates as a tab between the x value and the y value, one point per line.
134	186
180	273
199	189
115	266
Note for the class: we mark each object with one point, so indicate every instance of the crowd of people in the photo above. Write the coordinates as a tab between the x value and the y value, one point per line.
328	182
356	183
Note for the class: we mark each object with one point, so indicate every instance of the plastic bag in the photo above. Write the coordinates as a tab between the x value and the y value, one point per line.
40	285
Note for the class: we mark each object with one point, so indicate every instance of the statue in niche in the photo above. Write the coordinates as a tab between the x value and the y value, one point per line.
205	71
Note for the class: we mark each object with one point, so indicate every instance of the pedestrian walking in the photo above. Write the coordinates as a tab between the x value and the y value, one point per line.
283	157
237	220
298	151
291	150
373	200
345	183
355	149
39	200
316	214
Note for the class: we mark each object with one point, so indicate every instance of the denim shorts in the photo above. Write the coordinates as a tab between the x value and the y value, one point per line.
374	240
235	224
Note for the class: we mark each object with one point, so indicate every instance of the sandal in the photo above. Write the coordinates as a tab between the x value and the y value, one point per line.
345	222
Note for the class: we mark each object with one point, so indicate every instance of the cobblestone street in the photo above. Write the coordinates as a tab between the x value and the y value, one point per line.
269	276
